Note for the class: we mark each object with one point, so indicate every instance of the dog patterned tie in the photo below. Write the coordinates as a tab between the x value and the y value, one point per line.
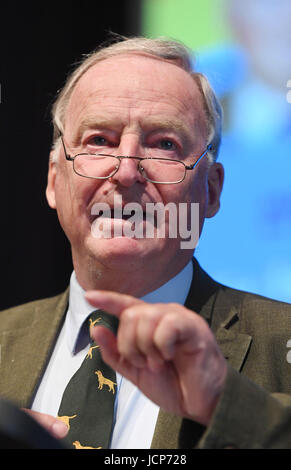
87	404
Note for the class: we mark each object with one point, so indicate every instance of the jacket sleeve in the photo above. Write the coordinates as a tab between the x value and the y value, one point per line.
248	417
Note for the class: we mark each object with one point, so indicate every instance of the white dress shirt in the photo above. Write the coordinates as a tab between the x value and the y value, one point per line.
135	415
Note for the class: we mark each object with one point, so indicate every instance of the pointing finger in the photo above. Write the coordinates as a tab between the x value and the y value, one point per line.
111	302
56	427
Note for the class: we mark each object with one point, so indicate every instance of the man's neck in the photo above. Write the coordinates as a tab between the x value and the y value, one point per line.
135	282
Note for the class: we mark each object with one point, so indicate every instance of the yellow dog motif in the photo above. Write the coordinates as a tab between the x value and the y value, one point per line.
66	419
103	381
89	354
93	323
79	446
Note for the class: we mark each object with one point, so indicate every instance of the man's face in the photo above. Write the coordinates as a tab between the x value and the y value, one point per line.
131	105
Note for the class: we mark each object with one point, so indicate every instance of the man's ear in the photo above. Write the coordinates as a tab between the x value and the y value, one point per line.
51	181
215	184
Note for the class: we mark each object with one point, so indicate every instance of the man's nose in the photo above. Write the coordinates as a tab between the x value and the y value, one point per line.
128	172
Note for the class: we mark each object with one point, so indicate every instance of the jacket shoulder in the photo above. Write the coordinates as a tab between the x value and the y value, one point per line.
220	304
248	299
254	309
10	318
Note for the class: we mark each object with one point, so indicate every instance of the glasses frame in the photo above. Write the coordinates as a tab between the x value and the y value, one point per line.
140	169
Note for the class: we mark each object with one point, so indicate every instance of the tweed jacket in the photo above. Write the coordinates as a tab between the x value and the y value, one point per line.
254	410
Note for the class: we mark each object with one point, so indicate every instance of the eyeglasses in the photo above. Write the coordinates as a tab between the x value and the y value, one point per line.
156	170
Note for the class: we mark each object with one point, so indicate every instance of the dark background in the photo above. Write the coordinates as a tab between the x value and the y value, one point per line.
38	44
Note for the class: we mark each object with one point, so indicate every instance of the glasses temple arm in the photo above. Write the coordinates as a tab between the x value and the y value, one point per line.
191	167
68	157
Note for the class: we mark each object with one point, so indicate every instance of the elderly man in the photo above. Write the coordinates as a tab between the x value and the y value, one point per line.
133	124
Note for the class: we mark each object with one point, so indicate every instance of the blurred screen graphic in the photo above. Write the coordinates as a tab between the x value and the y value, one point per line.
244	48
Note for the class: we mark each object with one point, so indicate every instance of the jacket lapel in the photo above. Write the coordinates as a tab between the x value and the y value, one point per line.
222	312
234	345
29	342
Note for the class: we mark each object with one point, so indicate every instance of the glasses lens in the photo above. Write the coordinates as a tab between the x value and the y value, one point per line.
95	166
163	171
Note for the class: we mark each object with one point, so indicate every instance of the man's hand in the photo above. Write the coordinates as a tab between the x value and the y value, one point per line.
53	425
166	350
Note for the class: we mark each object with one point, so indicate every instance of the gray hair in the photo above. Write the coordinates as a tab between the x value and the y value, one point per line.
165	49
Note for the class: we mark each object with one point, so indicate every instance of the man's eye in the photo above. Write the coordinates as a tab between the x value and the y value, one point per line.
99	140
167	145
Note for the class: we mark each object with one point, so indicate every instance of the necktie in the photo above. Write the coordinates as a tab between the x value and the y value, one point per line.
87	404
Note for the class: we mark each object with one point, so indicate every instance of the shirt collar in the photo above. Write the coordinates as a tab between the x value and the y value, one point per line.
79	310
175	290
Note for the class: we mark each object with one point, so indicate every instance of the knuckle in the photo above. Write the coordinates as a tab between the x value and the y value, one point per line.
171	320
129	314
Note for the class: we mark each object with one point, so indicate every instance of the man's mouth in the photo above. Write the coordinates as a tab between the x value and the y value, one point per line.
117	214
